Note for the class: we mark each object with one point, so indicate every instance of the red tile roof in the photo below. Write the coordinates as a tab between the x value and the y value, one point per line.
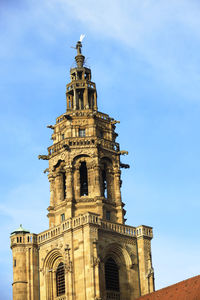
185	290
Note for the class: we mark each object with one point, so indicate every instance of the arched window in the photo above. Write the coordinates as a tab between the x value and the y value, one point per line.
60	280
64	185
104	183
83	179
111	275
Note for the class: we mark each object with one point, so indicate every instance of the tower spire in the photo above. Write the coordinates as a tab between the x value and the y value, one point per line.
81	92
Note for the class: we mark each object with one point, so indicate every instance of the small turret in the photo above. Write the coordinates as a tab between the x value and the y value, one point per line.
25	260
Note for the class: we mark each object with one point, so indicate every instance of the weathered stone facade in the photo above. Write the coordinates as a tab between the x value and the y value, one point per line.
87	252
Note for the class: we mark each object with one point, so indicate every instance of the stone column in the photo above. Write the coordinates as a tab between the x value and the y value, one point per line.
95	100
117	187
97	182
68	98
52	187
69	185
96	263
75	100
86	106
69	273
90	179
59	187
51	214
76	182
119	205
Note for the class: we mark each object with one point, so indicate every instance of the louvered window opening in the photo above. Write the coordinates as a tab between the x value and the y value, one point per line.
60	280
111	275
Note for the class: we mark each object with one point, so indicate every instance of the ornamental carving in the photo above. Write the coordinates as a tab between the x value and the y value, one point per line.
54	160
95	261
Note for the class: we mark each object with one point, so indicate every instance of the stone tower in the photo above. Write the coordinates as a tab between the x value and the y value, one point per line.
88	252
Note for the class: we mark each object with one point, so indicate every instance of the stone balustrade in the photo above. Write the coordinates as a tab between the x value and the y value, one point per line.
80	84
81	142
102	116
89	218
98	114
69	224
143	230
119	228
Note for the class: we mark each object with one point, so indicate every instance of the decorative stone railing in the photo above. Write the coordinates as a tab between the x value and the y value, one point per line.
143	230
60	119
98	114
91	218
81	142
80	84
119	228
69	224
103	116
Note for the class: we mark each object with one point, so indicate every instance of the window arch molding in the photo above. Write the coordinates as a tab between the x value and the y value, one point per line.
82	163
78	158
50	265
123	261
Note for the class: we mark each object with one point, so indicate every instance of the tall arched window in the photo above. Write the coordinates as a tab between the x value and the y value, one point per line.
111	276
64	185
60	280
83	179
104	183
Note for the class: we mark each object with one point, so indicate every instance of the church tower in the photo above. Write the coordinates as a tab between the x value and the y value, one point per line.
88	252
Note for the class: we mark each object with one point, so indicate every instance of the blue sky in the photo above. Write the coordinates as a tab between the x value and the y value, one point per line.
145	60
